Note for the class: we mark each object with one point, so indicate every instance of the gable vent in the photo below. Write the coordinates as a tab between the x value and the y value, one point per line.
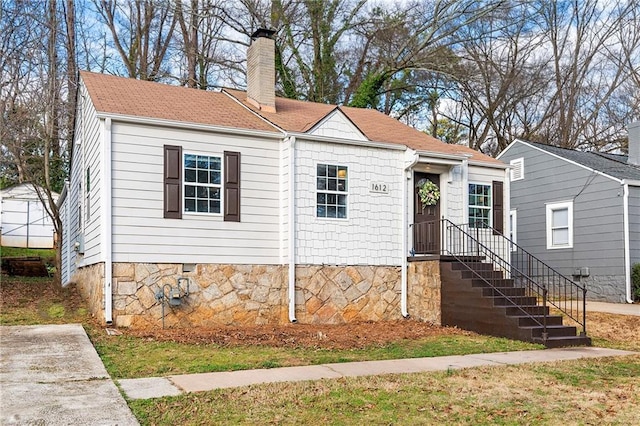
517	171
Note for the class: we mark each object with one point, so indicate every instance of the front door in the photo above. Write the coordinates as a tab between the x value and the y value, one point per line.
426	219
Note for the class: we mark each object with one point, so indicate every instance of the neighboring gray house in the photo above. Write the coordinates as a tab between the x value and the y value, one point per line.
579	212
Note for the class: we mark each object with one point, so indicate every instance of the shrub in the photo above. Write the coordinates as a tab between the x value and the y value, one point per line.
635	281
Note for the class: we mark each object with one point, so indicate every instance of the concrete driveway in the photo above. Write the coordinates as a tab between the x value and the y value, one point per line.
52	375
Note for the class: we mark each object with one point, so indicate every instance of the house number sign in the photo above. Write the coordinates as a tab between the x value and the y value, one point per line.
379	187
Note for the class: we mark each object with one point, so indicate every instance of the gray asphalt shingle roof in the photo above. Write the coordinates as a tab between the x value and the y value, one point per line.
614	165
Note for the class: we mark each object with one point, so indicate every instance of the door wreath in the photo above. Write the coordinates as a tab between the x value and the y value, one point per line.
428	192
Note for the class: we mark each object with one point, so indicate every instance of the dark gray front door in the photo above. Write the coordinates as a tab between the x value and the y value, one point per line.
426	220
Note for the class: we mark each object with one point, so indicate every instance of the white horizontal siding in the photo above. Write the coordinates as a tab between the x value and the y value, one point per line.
285	159
86	153
141	234
65	254
485	174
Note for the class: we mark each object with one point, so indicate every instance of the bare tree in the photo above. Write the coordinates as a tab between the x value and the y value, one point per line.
141	31
553	71
38	74
200	44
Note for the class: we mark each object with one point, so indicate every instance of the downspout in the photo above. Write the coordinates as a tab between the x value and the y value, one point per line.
292	230
105	228
406	176
627	253
68	233
506	212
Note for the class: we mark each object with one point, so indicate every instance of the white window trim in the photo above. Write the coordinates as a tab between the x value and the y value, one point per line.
550	208
513	227
519	163
221	157
317	191
490	185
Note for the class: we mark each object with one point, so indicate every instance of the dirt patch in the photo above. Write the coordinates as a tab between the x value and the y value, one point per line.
35	296
32	299
343	336
617	329
39	300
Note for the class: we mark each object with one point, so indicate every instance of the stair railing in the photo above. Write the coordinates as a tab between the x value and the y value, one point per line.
552	289
486	265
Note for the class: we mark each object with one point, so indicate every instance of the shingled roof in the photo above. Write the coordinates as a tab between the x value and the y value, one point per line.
138	98
229	108
610	164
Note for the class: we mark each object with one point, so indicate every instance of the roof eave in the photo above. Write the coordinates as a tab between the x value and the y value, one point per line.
275	134
575	163
331	139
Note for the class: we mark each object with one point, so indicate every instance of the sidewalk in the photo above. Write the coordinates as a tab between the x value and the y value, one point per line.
614	308
175	385
52	375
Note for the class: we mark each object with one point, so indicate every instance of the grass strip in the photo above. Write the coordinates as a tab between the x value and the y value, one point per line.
591	391
130	357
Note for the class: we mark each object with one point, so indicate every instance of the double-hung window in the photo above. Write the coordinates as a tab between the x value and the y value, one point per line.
331	191
479	205
202	183
560	225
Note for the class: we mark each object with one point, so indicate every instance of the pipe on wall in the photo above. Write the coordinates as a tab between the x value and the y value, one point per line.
406	177
627	253
292	230
106	228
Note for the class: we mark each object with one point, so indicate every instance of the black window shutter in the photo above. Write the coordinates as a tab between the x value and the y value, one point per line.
232	186
498	206
172	182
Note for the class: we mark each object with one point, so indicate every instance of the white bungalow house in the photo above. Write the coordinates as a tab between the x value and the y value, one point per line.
24	221
198	207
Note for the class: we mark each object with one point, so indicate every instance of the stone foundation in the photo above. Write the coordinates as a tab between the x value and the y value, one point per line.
257	294
218	295
90	282
423	283
605	288
338	294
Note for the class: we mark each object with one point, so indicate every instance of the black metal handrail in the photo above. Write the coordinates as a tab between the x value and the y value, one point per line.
470	242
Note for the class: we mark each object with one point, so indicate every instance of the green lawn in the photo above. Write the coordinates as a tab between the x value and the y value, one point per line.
48	255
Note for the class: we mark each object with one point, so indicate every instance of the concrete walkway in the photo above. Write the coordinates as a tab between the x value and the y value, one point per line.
52	375
175	385
614	308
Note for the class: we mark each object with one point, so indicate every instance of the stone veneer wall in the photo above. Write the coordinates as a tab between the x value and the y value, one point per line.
339	294
257	294
423	282
218	295
90	283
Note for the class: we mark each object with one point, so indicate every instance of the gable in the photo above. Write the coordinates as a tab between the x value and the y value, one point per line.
22	191
337	125
601	164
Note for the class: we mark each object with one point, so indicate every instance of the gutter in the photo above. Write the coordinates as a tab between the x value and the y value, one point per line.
105	228
405	234
627	253
341	141
292	230
276	134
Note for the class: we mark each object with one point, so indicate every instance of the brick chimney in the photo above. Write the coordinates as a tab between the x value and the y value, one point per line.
634	143
261	71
